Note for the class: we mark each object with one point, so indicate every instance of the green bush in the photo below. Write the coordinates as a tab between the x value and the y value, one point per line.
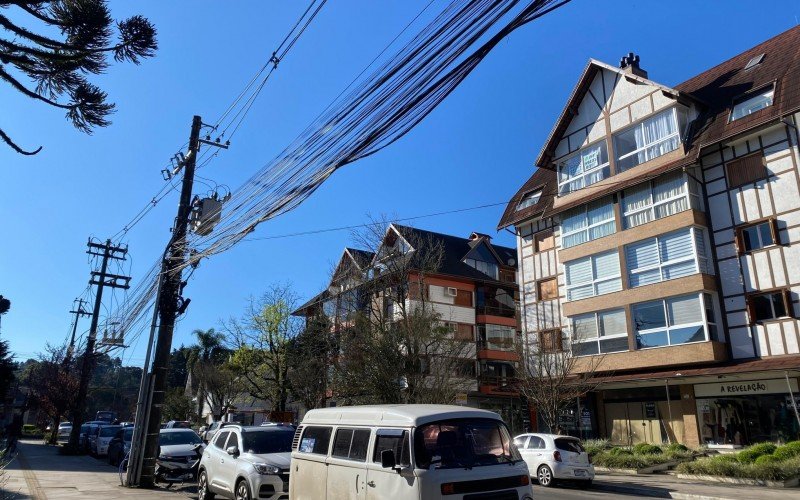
646	449
621	460
730	458
767	459
595	446
617	451
723	465
750	455
677	448
30	430
787	451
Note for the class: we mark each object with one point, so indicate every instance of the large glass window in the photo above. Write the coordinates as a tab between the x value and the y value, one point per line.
529	199
673	321
593	275
496	337
481	258
666	257
584	168
751	103
588	222
651	138
653	200
599	332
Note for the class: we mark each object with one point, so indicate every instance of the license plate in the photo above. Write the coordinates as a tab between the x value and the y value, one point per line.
579	472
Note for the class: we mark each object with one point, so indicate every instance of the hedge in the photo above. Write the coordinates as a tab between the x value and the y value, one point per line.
723	465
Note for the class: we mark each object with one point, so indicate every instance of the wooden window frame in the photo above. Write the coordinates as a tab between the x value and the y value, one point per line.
788	305
543	235
733	181
463	293
738	240
554	344
539	295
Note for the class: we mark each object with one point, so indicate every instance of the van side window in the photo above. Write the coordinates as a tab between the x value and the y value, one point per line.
219	442
395	440
351	444
315	440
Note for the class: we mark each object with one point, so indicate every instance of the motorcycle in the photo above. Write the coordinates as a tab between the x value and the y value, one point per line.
173	470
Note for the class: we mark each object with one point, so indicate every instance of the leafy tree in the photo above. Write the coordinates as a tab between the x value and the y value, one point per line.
57	66
178	372
261	339
5	306
52	382
202	358
178	406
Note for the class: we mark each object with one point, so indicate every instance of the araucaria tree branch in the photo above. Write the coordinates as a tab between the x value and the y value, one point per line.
58	67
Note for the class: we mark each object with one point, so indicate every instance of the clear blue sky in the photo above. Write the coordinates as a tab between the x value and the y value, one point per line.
477	148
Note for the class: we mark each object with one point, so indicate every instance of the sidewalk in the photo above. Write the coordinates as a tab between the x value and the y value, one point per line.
669	486
39	472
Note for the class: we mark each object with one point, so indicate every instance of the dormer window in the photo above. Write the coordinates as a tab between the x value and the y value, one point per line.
530	199
752	63
752	102
584	168
648	139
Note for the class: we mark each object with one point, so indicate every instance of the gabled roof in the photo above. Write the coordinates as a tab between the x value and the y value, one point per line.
713	90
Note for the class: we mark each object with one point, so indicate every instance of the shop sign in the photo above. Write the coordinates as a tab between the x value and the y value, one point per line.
586	418
650	410
461	399
744	387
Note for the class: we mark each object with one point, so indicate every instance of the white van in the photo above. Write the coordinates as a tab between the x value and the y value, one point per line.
406	452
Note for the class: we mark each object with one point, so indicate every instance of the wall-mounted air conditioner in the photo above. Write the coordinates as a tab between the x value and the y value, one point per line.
451	291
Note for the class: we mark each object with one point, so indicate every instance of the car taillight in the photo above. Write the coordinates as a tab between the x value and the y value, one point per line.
557	456
524	480
448	489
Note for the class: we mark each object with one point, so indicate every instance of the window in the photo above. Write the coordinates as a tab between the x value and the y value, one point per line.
755	236
536	443
520	441
551	340
753	62
746	170
653	200
351	444
589	222
770	305
653	137
547	289
530	199
751	103
219	441
482	259
593	275
233	441
460	331
487	268
673	321
395	440
315	440
600	332
545	240
666	257
496	337
454	444
587	166
463	298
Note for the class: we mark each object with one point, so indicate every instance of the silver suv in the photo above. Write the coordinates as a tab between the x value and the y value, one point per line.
246	462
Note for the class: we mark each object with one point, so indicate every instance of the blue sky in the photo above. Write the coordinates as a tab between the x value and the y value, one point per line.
477	148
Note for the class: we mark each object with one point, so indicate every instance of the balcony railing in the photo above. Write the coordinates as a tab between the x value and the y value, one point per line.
499	344
503	311
500	384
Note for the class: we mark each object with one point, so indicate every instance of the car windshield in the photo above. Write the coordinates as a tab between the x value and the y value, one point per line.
463	443
263	442
566	444
180	437
128	435
106	432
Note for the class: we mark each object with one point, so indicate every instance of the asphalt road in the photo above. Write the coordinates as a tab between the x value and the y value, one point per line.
568	492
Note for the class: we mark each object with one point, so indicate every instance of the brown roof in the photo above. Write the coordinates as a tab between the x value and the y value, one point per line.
541	179
715	89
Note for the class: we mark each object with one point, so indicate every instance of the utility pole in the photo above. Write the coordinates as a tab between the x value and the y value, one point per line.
78	312
168	308
101	279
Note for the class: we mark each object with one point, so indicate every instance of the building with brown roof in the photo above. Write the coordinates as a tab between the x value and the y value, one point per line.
660	236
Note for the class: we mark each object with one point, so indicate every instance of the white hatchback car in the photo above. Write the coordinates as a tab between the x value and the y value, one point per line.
551	457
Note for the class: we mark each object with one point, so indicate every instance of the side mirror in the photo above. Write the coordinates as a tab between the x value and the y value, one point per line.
202	429
233	451
388	460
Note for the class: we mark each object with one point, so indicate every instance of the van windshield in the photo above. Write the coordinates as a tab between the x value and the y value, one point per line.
463	443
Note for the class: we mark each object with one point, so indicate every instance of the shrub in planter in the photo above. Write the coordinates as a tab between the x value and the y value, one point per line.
595	446
676	447
767	459
620	461
750	455
727	458
720	465
619	451
787	451
646	449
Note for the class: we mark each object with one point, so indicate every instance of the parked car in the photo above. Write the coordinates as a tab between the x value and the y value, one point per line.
208	433
404	452
105	416
551	458
64	430
178	424
120	445
177	443
105	434
83	437
246	462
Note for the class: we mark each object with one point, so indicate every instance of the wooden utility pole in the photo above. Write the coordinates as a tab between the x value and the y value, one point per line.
78	312
168	309
101	279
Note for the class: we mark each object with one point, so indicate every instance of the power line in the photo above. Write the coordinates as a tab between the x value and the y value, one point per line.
358	226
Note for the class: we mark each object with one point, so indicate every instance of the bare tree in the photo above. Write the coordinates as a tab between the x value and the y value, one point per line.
552	378
396	347
309	358
261	341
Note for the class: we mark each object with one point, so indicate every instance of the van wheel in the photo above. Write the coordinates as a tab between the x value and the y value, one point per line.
545	476
202	487
243	490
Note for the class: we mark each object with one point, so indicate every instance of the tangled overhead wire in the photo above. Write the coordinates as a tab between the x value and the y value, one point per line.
380	109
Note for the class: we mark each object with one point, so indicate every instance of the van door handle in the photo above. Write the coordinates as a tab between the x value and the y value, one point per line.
371	484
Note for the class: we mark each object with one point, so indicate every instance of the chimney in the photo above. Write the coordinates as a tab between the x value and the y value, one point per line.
630	64
476	235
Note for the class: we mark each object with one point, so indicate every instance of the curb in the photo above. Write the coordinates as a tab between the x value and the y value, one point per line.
653	492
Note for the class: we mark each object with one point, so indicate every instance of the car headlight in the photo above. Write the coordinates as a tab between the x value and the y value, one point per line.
267	469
